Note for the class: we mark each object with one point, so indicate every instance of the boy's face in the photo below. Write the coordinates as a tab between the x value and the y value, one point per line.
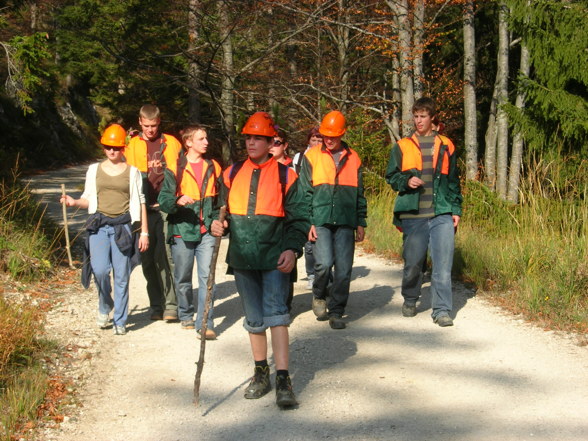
423	123
198	142
150	127
332	142
257	148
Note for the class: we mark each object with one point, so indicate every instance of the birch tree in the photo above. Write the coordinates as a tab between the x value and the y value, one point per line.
516	160
502	116
469	91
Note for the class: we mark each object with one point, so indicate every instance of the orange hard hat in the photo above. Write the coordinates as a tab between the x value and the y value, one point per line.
333	124
260	123
114	136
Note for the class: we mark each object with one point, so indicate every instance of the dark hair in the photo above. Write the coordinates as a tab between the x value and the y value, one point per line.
313	132
425	103
439	124
280	133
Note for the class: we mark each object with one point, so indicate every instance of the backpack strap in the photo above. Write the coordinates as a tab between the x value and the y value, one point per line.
234	170
283	173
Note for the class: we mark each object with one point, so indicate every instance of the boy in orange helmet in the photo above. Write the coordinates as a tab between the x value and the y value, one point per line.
268	229
331	178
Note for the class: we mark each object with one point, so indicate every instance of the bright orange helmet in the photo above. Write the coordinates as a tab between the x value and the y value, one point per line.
260	123
333	124
114	136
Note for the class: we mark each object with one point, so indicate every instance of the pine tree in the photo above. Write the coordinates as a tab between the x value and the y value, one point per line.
556	36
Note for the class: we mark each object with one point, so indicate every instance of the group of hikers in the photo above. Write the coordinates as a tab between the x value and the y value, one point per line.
278	208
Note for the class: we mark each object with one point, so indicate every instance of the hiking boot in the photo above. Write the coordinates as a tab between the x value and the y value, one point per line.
170	315
284	394
336	322
120	330
156	315
319	307
187	324
102	320
409	310
210	334
260	383
443	320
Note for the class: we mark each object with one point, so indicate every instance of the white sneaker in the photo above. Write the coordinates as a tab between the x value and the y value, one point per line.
120	330
102	320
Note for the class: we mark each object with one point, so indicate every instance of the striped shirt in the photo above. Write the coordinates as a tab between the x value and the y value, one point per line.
426	208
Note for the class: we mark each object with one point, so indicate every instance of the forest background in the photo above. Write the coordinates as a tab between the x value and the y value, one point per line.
510	78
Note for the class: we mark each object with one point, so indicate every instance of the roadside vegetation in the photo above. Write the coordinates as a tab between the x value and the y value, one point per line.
27	256
530	258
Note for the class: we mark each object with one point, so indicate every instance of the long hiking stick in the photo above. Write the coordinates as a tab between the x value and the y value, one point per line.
65	228
209	286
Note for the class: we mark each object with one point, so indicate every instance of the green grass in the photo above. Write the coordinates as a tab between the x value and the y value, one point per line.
27	240
532	258
27	248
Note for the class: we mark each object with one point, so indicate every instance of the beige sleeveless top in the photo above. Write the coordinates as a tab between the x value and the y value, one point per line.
113	192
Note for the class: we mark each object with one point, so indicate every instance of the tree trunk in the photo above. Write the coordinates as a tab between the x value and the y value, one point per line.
419	48
194	81
517	143
502	117
227	100
469	92
400	8
342	38
396	99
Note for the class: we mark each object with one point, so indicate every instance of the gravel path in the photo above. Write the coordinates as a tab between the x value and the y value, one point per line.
490	377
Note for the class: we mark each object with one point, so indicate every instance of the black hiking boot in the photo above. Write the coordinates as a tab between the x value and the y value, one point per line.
284	394
319	307
409	309
260	383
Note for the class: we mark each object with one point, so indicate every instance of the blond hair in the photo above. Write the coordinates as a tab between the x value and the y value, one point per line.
149	111
190	130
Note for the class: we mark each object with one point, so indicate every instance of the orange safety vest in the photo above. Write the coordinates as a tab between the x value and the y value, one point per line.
324	171
413	159
267	198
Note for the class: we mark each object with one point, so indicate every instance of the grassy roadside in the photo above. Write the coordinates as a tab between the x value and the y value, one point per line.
530	258
27	249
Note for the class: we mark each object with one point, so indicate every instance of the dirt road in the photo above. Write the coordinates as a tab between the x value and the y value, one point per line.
490	377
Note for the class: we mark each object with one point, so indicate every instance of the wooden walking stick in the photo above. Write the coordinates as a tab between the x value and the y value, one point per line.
67	247
203	329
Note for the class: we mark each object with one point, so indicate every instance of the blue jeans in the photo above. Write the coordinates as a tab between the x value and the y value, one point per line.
104	257
263	295
183	254
309	258
334	246
436	234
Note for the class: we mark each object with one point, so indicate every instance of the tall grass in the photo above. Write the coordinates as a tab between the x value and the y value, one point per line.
531	257
27	240
27	244
23	382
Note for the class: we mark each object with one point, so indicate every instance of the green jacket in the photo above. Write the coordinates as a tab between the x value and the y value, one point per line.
333	196
447	196
266	216
185	221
